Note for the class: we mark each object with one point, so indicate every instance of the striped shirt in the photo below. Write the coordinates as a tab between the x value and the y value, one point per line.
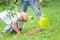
8	17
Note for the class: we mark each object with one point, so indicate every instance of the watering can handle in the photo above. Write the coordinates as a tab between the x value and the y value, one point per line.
44	15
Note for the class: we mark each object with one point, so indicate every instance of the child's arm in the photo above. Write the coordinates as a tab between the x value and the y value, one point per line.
15	27
15	24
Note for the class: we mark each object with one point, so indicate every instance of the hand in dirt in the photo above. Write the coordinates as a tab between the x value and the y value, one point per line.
34	31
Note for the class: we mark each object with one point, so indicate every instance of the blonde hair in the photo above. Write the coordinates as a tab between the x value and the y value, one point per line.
23	16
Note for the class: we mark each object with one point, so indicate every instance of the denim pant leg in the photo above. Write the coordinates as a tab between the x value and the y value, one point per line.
7	28
23	6
35	6
20	25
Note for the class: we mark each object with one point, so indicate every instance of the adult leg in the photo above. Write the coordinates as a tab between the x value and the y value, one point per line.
23	6
35	6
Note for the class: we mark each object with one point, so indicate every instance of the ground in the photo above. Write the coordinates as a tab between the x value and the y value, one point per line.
53	12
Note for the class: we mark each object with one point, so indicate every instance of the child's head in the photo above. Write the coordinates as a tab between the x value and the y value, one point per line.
23	17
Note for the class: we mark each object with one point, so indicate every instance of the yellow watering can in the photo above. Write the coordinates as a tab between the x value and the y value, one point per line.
43	22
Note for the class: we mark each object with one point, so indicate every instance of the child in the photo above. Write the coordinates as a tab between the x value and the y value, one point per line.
12	20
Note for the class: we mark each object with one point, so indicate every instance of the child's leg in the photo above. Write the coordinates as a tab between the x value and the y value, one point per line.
7	28
20	25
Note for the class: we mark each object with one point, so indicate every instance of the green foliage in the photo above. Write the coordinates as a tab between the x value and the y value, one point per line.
6	4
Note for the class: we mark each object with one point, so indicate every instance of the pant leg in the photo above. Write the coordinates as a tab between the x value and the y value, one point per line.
20	25
23	6
35	6
7	28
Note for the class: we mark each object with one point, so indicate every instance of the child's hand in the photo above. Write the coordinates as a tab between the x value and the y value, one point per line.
40	1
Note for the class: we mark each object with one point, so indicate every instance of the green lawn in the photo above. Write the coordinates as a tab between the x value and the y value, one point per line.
53	12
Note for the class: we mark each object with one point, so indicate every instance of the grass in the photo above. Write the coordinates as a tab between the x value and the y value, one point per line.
53	11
